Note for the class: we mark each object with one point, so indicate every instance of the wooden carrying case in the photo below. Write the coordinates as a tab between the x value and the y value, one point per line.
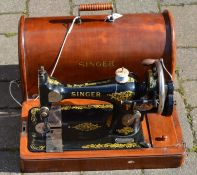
94	50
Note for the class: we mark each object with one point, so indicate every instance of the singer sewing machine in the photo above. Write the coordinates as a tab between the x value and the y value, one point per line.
106	106
116	126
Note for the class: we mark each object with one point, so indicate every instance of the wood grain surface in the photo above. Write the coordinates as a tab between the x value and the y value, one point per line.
94	49
162	154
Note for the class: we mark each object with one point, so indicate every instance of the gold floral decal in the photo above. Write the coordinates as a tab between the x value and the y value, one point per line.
86	126
33	114
38	148
53	81
111	145
119	96
88	84
77	107
125	130
33	146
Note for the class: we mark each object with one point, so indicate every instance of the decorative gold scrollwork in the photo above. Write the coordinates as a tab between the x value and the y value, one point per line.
87	126
37	148
53	81
125	130
110	145
33	115
119	96
80	107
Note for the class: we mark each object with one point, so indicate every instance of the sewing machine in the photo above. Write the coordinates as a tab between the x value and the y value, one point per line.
97	102
119	124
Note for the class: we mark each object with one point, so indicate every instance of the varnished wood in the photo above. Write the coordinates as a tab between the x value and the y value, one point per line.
160	127
21	53
170	49
165	154
145	131
126	42
116	163
94	48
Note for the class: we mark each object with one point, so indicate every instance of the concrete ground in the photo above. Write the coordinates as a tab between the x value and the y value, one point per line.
185	13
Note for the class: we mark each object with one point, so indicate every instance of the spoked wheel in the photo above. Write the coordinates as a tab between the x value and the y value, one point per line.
165	90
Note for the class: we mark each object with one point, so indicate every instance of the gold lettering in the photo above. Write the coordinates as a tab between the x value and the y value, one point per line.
81	94
73	94
98	94
111	63
105	63
81	64
91	64
89	84
96	64
87	94
92	94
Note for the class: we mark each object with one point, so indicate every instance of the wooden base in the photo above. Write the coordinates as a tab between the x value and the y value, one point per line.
163	133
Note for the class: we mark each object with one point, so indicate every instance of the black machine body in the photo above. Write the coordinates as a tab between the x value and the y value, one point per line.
129	100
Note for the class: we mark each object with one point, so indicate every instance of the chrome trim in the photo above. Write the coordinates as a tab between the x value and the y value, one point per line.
162	89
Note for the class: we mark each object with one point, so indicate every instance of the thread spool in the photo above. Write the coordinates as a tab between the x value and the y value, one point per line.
122	75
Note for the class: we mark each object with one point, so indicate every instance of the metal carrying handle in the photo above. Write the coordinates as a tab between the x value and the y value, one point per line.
96	7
